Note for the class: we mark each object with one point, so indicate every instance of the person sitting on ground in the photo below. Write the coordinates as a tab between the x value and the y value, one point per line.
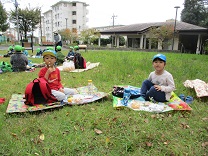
9	52
160	83
60	56
52	75
70	54
39	52
24	51
76	49
18	60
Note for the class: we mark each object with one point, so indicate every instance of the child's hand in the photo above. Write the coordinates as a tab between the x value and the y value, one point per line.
157	87
50	69
61	90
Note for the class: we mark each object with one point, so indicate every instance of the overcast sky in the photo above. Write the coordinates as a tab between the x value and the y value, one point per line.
126	12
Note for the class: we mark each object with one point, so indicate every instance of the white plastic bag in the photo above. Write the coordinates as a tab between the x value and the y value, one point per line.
68	66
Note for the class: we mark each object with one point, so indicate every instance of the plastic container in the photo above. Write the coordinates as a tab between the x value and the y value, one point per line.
90	87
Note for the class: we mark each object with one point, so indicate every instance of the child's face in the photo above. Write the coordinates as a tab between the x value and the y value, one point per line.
49	60
158	64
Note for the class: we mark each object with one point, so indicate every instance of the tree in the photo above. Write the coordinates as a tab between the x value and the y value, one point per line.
28	19
68	35
4	25
194	12
89	35
163	34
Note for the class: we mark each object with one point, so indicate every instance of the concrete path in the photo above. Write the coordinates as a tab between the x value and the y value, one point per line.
3	47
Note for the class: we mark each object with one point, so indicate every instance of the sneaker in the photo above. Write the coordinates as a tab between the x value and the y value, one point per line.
182	97
189	99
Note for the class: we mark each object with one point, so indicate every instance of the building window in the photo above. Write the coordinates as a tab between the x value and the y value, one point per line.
74	4
74	12
65	4
74	22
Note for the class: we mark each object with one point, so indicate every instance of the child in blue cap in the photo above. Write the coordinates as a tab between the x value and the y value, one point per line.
52	75
160	83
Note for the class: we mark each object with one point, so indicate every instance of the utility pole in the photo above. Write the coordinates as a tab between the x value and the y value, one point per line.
113	17
40	28
17	18
176	7
66	22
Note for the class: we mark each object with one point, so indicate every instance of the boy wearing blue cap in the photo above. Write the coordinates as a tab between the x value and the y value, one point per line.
70	54
52	75
160	83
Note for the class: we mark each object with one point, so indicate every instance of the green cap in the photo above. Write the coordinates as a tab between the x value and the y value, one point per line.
10	47
50	48
58	48
38	50
76	47
18	48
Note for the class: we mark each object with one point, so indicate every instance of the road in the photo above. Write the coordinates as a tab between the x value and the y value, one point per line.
4	47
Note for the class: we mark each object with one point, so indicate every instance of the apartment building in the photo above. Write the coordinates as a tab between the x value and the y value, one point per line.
62	15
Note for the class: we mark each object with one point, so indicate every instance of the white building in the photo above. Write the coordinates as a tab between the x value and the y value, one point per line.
62	15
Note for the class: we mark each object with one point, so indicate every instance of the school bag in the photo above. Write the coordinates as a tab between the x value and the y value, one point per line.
38	92
5	67
79	61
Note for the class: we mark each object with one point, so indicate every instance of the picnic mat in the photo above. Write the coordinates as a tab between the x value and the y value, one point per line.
200	87
175	103
16	103
89	66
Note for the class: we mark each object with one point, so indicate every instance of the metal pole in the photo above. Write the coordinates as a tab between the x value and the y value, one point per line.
41	34
66	22
175	26
17	18
113	17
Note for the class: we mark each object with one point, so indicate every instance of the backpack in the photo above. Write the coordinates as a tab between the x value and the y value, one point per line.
38	92
5	67
119	92
79	61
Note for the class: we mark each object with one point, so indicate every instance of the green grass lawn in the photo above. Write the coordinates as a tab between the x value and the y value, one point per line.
71	130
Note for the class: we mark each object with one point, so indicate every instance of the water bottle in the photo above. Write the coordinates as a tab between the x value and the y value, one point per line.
90	87
126	96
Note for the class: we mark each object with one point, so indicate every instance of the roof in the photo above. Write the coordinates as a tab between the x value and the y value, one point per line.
64	1
143	27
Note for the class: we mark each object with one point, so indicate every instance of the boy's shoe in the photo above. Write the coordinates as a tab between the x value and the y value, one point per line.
189	99
182	97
